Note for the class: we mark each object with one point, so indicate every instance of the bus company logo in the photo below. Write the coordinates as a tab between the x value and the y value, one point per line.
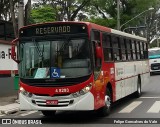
62	90
119	71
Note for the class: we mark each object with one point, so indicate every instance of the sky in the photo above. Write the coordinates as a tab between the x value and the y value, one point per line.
25	2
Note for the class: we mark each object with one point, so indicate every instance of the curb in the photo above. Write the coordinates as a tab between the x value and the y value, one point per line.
9	109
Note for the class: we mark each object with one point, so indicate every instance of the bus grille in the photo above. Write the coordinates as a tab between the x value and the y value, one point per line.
61	103
61	100
155	66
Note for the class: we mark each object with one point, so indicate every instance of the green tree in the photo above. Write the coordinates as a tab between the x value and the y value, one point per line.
106	10
43	14
67	10
104	22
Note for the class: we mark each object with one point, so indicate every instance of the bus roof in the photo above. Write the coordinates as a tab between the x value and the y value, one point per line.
127	35
155	48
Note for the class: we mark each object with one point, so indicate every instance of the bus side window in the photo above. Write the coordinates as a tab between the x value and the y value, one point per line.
145	52
138	50
116	48
131	49
135	50
123	49
97	43
97	61
107	48
141	50
128	45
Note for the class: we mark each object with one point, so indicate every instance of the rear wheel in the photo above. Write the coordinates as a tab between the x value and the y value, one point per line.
105	110
139	90
48	113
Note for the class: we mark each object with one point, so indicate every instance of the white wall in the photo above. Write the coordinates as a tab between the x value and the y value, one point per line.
6	62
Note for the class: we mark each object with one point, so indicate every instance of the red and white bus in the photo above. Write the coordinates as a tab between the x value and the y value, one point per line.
8	67
78	66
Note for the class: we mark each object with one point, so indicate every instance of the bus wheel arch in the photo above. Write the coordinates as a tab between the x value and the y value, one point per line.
109	87
105	110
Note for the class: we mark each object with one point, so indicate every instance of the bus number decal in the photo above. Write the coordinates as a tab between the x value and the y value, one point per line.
62	90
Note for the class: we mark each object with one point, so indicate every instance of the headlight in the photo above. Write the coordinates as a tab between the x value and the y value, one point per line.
83	91
24	92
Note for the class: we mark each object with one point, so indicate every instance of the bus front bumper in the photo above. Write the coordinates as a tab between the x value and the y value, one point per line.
83	102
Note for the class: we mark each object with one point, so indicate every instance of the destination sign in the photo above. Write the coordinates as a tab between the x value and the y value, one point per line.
52	29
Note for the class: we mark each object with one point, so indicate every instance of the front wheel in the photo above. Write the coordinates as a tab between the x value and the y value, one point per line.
48	113
105	110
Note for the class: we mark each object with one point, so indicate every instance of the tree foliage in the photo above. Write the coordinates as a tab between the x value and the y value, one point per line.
5	13
43	14
103	12
67	10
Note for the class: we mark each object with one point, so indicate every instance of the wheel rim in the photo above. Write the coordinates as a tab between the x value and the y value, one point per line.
107	101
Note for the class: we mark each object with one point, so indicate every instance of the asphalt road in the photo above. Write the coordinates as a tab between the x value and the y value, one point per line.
147	107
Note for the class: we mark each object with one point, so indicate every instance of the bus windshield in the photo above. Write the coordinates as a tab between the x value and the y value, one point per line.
61	58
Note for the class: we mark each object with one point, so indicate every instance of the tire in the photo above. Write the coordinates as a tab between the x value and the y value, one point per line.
139	90
48	113
105	110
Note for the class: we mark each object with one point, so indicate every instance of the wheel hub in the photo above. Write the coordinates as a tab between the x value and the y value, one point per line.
107	101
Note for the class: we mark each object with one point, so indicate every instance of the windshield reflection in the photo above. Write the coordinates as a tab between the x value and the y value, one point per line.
67	58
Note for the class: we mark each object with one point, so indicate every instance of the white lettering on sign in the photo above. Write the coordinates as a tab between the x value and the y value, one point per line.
49	30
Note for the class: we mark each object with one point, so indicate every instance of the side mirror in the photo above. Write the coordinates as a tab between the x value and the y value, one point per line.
13	50
98	52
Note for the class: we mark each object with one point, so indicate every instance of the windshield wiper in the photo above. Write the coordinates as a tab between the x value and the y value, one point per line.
39	51
65	43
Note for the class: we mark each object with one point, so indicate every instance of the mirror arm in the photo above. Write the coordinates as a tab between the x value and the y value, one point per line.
13	55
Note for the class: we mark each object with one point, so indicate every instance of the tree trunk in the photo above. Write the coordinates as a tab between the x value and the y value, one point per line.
27	12
13	18
84	3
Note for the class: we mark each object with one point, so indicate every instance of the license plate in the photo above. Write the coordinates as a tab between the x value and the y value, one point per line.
51	102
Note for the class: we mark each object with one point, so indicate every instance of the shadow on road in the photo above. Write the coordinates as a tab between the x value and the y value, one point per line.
86	117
